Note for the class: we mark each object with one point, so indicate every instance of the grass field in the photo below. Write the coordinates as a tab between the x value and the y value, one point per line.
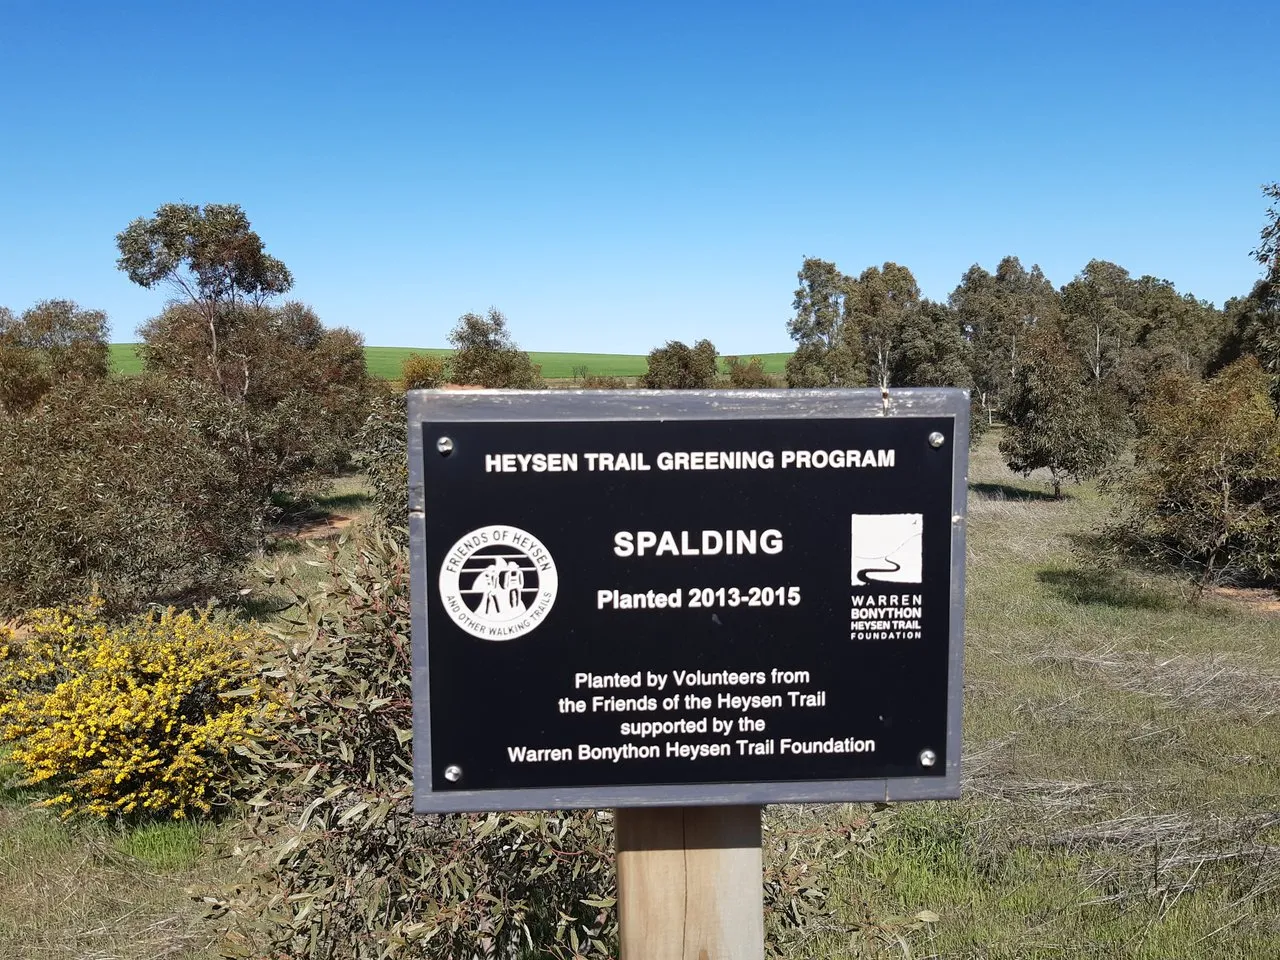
125	359
1122	762
1121	787
94	892
386	362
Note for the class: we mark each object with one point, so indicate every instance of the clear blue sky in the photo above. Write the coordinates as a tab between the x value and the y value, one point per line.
613	175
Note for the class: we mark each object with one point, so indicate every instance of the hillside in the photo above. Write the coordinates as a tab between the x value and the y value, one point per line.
385	362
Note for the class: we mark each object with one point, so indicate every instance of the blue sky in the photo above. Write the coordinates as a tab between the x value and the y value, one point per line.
612	176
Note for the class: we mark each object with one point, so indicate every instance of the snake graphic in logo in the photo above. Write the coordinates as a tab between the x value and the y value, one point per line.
498	582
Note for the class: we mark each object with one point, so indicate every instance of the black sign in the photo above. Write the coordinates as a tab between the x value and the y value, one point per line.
685	602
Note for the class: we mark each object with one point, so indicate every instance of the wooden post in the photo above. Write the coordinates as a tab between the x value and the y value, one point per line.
689	883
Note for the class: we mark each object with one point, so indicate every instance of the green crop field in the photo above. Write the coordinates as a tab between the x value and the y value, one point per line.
386	362
125	359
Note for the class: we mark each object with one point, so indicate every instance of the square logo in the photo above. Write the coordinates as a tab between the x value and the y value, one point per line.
887	548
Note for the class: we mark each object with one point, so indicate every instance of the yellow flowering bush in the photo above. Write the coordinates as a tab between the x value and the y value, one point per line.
131	719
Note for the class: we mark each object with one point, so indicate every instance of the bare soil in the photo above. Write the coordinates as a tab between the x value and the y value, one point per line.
315	528
1256	599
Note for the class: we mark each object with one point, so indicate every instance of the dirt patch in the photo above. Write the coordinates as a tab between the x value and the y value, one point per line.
314	528
1257	599
18	627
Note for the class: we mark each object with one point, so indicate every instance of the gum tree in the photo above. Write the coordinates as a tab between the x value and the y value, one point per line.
213	260
1059	419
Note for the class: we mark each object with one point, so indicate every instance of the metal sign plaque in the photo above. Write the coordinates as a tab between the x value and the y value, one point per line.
634	598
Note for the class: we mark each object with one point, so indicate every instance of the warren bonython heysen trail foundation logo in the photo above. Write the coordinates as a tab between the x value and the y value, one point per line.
498	582
886	548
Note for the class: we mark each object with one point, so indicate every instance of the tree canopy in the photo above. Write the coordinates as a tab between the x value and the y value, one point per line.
211	255
485	355
51	343
1058	419
829	350
678	366
874	328
996	312
1267	252
214	262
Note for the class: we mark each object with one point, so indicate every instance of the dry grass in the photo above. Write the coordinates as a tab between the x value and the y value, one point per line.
86	893
1231	684
1122	761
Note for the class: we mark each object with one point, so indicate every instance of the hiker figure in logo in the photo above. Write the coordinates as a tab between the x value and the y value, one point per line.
489	582
501	584
515	585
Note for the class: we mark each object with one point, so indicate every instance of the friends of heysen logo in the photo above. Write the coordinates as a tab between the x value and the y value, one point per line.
887	548
498	582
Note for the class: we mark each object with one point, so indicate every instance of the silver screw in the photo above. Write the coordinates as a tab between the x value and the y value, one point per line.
936	439
445	446
453	773
927	759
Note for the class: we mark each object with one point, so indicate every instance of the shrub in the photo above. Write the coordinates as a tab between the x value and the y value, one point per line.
485	355
584	379
423	371
1204	488
139	486
303	387
749	374
340	865
383	457
1057	420
680	367
54	342
130	720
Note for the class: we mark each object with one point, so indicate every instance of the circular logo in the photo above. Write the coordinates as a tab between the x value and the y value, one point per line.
498	582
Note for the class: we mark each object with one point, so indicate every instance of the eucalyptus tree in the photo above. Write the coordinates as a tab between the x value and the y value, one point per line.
1266	334
1175	332
1059	417
304	387
213	261
1128	332
1203	490
1267	252
996	313
485	354
879	300
1253	322
1099	320
930	350
829	349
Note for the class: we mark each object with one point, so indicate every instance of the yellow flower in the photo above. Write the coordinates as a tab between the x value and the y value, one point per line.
127	716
